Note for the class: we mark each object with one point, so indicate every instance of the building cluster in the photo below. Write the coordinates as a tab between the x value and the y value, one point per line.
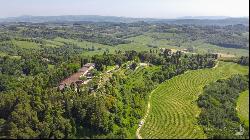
77	79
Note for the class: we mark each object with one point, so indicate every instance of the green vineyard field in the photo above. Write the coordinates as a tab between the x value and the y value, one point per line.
174	112
243	107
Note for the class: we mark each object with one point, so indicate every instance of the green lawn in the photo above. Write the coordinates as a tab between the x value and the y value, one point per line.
243	107
174	112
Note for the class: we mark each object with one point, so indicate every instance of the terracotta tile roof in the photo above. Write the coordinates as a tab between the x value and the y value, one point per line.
75	77
83	69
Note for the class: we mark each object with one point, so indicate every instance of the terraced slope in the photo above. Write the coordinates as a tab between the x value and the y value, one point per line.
243	107
173	109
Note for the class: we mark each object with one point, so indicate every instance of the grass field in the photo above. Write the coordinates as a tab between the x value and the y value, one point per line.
174	112
53	43
243	107
26	44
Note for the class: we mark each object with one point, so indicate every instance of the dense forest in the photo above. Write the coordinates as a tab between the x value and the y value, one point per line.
219	114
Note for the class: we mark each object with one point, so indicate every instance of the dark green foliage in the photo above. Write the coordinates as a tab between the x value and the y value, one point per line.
218	102
133	66
244	61
177	64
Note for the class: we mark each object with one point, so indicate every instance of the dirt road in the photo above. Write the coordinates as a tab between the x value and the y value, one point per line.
144	118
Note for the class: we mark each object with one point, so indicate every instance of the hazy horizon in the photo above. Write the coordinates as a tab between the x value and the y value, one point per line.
128	8
182	17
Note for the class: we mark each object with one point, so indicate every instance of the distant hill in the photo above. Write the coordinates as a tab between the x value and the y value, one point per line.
219	22
92	18
95	18
204	17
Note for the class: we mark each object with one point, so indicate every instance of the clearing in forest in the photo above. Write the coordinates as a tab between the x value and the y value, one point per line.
173	112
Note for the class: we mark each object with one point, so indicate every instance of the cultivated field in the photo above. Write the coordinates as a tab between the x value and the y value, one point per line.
243	107
174	110
26	44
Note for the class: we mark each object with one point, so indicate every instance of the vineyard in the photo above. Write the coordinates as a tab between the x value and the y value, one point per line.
243	107
174	112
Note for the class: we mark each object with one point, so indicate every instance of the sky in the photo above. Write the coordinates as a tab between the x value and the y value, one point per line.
125	8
